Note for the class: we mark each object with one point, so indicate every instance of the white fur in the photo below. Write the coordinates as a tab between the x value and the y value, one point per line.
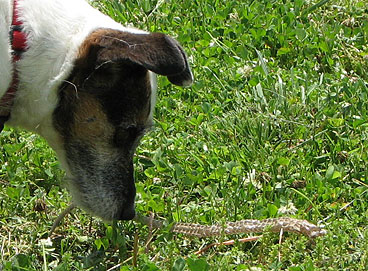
6	67
55	30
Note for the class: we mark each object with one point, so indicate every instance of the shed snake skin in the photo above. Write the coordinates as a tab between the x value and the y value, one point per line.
243	226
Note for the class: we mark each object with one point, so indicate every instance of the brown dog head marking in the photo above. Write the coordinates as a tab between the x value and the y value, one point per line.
105	106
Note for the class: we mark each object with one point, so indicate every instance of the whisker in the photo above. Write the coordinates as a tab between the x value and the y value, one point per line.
96	68
74	85
123	41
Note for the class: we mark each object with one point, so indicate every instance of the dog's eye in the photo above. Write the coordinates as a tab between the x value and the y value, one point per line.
122	136
132	131
126	136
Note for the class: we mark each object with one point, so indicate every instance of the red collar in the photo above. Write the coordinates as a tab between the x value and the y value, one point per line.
19	44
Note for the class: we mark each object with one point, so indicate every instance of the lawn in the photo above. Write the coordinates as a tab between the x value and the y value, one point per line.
275	124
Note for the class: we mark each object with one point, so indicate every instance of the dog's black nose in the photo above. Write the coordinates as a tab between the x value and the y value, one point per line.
127	213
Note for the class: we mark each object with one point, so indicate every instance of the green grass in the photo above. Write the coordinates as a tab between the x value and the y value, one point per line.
277	117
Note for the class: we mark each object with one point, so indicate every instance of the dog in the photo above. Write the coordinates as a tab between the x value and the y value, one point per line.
87	85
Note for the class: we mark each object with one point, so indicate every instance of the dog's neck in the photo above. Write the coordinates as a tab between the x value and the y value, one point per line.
18	45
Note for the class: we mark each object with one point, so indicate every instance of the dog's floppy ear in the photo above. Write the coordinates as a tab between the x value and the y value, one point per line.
154	51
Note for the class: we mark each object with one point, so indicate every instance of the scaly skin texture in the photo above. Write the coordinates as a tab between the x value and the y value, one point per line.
243	226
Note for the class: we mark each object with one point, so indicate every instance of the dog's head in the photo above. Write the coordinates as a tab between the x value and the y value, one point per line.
105	106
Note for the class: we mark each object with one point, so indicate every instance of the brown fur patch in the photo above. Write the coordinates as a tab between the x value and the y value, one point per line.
91	123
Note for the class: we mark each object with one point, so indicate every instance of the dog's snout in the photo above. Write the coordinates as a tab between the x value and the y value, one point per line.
128	213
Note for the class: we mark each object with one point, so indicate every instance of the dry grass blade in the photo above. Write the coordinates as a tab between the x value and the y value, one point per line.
61	217
228	243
